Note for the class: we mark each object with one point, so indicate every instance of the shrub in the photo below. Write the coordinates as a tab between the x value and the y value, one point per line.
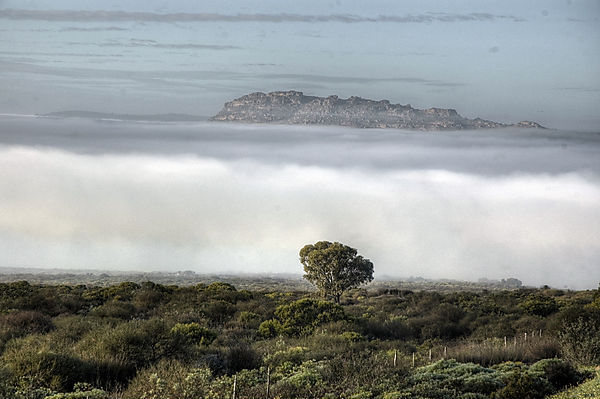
352	336
270	328
523	385
302	316
580	341
90	394
539	305
115	309
193	333
558	372
26	322
31	368
169	379
136	343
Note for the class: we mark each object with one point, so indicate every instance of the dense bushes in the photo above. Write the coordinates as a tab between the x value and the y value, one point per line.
149	340
301	317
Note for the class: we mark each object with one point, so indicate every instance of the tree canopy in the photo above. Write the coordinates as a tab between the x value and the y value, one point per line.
334	267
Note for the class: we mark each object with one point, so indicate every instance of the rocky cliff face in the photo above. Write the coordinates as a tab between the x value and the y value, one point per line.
293	107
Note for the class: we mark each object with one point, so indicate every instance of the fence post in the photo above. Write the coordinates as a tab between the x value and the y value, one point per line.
445	351
413	362
234	384
505	341
395	356
525	337
429	355
268	380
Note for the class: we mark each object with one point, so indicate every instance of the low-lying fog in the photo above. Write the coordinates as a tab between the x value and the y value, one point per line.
213	197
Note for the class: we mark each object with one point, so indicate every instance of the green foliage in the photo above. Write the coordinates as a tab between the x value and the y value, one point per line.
580	341
136	340
539	305
31	368
352	336
523	385
169	379
334	268
90	394
193	333
136	343
270	328
115	309
558	372
302	316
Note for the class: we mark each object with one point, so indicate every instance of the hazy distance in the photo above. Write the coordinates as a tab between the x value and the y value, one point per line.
213	197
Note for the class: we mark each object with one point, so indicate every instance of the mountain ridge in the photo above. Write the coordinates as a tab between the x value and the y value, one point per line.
293	107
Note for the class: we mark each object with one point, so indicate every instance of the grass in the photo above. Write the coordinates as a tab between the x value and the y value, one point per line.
588	390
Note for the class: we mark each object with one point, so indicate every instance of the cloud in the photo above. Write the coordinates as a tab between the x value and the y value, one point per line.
93	29
213	215
579	89
220	197
155	44
358	79
80	15
167	77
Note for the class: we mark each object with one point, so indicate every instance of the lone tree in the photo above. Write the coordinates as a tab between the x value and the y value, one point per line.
334	267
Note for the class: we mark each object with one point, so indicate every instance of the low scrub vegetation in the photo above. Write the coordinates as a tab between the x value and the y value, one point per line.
148	340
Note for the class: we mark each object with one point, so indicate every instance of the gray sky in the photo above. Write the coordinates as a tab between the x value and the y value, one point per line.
213	197
505	61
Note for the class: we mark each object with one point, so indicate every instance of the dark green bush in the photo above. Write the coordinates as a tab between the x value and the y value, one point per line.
302	316
193	333
559	373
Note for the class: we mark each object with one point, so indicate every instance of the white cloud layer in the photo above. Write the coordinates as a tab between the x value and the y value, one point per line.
175	211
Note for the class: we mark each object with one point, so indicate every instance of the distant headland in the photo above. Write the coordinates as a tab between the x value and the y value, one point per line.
293	107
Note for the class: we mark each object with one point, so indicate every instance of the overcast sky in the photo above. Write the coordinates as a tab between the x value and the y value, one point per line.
505	61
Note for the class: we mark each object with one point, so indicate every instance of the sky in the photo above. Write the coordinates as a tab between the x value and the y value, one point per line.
505	61
225	198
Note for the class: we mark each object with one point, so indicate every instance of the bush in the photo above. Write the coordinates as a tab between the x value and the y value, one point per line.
31	368
115	309
302	316
539	305
26	322
523	385
136	343
270	328
558	372
169	379
580	341
193	333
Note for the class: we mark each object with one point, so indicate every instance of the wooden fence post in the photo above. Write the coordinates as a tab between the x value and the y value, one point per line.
505	341
268	380
234	384
395	356
413	362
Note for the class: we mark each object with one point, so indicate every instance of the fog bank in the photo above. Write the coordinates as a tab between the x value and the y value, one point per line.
238	198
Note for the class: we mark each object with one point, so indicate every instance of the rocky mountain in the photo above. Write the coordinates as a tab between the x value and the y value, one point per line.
293	107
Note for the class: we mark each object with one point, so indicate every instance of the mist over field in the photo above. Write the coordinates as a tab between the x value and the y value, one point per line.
212	197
